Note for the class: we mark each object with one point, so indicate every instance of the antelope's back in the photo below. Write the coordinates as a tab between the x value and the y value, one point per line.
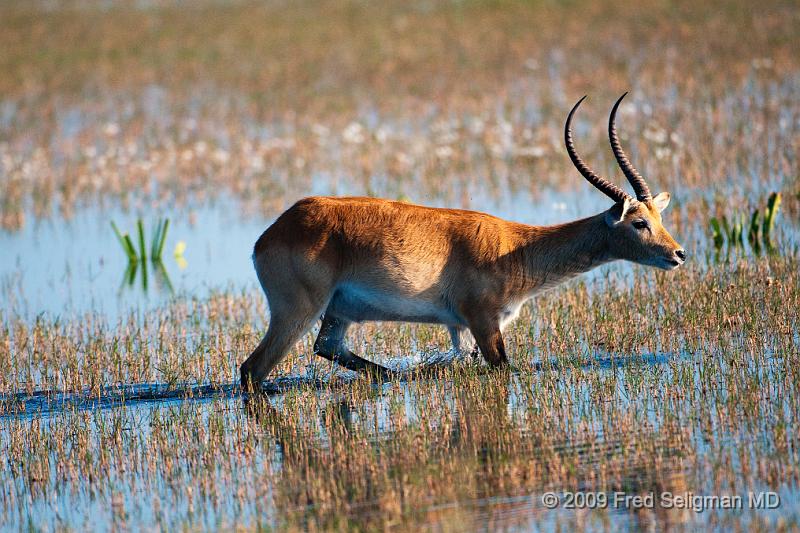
360	235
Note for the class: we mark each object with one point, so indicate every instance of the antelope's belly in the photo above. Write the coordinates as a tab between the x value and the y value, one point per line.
359	303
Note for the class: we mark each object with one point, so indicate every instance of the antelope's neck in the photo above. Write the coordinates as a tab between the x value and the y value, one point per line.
553	254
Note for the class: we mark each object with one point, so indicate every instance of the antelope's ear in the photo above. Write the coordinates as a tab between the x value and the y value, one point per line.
661	201
616	214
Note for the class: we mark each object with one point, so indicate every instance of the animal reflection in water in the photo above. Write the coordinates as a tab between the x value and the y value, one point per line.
499	483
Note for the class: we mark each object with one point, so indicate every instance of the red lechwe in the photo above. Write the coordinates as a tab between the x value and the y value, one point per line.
357	259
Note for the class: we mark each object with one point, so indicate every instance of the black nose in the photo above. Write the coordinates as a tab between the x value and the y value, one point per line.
681	254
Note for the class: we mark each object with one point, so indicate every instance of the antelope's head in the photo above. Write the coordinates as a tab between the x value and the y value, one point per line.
637	233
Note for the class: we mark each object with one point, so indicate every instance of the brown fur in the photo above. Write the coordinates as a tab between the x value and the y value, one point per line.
345	256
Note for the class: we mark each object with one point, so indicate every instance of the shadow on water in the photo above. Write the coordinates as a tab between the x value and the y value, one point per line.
50	402
611	361
404	369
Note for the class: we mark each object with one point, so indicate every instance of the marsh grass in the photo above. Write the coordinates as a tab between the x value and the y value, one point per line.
681	382
634	381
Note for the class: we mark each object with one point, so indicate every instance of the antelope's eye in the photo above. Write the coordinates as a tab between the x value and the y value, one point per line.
640	224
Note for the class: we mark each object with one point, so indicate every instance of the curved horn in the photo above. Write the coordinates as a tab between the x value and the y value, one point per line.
636	179
605	186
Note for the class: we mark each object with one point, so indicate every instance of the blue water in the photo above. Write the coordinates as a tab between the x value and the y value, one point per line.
69	267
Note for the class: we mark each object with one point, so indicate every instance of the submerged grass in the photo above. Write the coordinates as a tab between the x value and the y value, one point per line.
202	340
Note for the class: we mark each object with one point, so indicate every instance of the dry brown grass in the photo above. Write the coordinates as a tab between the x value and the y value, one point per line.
437	102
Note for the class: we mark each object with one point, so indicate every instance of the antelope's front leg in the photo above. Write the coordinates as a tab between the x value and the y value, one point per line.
463	343
490	341
485	327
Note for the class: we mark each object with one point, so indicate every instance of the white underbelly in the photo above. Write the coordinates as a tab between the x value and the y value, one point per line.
359	303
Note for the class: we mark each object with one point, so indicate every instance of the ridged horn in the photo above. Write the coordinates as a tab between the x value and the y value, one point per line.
636	180
605	186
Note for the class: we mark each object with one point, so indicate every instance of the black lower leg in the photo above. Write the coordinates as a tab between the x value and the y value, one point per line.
490	342
329	345
344	357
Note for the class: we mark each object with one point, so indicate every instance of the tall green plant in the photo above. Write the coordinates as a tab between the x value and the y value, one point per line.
759	229
138	258
773	204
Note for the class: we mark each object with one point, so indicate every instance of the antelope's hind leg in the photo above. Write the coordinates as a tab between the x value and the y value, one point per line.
330	345
282	334
298	286
293	311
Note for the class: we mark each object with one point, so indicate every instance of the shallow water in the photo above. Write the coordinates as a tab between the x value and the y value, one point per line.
120	410
71	267
67	263
84	272
149	500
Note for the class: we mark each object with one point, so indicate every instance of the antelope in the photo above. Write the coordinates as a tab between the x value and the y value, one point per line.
365	259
